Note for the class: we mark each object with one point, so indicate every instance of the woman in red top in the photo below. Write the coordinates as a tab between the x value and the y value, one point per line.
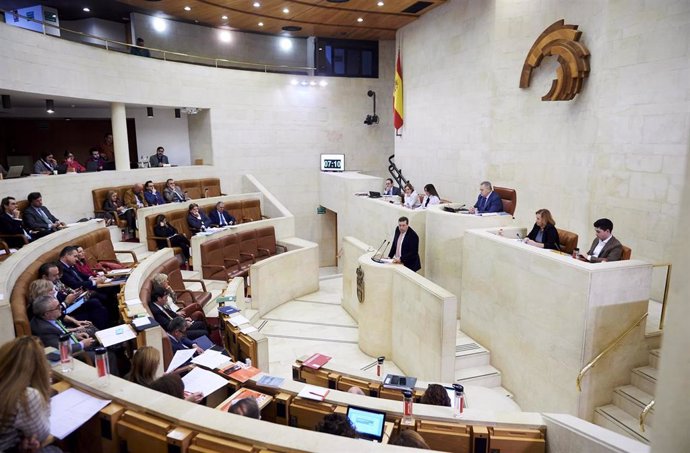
71	164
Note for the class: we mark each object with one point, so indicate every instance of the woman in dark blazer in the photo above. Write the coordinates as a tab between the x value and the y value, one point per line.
544	234
112	205
164	230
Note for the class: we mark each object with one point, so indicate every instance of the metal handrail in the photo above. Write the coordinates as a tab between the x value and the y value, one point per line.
644	413
666	290
606	350
214	61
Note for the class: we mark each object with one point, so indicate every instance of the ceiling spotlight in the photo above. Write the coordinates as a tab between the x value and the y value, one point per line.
159	24
256	5
323	83
225	36
86	9
149	112
261	24
360	20
224	17
286	11
50	106
379	4
187	8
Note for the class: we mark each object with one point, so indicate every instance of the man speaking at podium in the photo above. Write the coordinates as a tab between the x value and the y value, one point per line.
405	247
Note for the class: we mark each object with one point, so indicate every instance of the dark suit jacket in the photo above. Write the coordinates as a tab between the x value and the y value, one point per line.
394	191
409	250
195	224
159	315
493	203
215	217
153	199
184	343
49	334
612	251
33	220
72	278
549	238
156	161
10	225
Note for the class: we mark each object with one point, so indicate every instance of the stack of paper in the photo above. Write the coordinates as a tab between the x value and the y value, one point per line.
200	380
115	335
180	358
71	409
238	320
313	392
211	359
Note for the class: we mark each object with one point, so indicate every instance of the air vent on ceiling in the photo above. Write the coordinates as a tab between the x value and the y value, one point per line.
292	28
337	1
416	7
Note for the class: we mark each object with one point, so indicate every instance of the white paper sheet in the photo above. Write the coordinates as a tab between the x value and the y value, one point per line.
120	271
180	358
247	329
71	409
131	302
200	380
211	359
115	335
238	320
143	321
313	392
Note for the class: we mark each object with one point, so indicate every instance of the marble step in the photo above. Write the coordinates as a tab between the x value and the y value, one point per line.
644	378
633	400
469	353
484	376
617	420
654	356
504	391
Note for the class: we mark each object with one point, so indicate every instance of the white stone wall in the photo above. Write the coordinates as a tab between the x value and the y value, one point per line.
618	150
259	123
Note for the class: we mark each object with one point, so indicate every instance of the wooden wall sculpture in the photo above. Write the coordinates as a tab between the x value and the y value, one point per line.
562	41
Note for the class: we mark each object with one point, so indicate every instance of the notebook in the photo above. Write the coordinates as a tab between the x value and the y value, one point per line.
368	423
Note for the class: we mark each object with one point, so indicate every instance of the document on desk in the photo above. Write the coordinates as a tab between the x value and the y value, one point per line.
313	392
211	359
71	409
115	335
200	380
180	358
238	320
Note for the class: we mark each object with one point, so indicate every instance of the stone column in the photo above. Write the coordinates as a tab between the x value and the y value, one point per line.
118	119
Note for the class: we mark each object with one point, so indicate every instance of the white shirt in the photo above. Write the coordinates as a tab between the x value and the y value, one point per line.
412	200
599	247
398	246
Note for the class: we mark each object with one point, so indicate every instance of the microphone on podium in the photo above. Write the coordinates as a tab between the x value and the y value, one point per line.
374	258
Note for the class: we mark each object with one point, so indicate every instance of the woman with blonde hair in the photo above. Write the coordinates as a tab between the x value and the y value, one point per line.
544	234
25	396
411	197
144	367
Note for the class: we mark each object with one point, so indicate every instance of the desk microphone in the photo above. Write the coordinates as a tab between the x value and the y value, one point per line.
373	258
518	236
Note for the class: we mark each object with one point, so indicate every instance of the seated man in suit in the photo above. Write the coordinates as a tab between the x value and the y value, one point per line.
38	220
151	195
10	223
134	197
46	326
405	247
197	219
163	315
605	247
91	310
487	201
220	216
178	336
390	189
159	159
172	193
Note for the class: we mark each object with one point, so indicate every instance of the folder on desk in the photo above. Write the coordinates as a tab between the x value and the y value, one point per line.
395	382
316	361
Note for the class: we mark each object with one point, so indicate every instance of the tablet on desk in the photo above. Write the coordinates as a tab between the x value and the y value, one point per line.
77	303
368	423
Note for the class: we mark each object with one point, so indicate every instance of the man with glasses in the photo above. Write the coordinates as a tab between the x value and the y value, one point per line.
390	189
47	326
487	201
605	247
152	196
220	216
37	218
172	193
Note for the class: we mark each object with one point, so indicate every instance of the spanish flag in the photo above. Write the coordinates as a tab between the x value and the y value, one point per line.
398	96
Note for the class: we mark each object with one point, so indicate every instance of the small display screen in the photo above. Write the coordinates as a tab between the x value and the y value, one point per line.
369	424
332	162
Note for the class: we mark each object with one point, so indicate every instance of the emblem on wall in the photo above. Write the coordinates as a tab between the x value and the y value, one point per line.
560	40
360	284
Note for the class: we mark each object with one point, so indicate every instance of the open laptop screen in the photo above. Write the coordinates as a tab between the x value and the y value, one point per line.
368	423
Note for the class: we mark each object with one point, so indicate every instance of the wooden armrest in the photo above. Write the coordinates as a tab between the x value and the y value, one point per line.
183	291
247	219
232	259
265	216
134	255
161	238
195	280
282	247
251	255
213	266
266	251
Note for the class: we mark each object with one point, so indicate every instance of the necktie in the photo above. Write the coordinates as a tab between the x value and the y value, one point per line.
177	194
482	204
64	329
222	219
44	216
426	203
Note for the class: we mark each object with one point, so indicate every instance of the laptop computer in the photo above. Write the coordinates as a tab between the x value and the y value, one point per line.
368	423
15	171
395	382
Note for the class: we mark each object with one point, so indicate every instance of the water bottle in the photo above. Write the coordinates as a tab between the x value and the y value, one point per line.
66	361
247	362
407	419
458	400
102	366
379	366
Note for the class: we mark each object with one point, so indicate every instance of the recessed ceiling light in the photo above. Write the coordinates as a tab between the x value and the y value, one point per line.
286	10
224	17
261	24
86	9
379	4
187	8
360	20
256	5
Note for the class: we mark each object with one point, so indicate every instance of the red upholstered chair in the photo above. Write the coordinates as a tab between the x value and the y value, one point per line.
266	242
568	240
212	263
251	210
248	248
627	253
232	258
508	197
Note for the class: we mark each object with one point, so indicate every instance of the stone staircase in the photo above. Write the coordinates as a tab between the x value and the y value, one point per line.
622	415
473	365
